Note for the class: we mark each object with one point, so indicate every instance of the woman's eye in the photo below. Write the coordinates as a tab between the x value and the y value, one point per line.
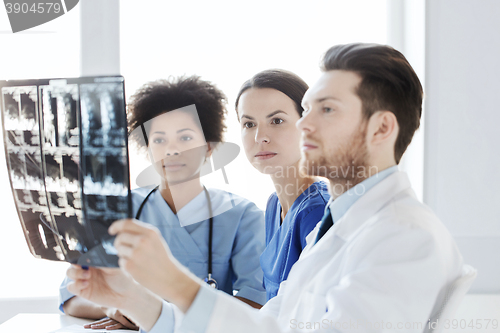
158	140
326	109
186	138
248	124
277	121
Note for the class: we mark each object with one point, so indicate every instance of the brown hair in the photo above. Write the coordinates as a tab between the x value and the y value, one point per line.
388	82
287	82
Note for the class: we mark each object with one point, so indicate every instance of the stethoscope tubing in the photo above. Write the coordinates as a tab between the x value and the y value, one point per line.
209	280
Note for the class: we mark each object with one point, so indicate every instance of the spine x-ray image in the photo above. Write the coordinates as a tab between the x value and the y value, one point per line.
66	150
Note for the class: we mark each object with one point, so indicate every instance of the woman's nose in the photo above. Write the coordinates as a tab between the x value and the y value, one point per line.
172	150
172	153
261	136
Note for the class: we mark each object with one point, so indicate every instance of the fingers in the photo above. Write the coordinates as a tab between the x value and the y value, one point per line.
127	240
129	225
115	326
98	323
105	323
80	279
118	326
77	287
125	322
76	272
115	320
112	324
132	237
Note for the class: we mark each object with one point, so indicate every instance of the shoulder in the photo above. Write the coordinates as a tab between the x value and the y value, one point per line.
233	204
311	209
314	200
317	193
405	219
405	210
139	194
272	201
219	196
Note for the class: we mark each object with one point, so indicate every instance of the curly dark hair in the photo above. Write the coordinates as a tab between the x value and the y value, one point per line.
161	96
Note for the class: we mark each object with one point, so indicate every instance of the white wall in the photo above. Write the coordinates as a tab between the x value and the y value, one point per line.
461	179
49	50
406	33
100	37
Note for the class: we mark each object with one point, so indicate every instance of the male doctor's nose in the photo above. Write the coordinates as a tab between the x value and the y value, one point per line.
306	122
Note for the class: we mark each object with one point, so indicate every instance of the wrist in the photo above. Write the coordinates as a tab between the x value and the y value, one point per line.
143	307
104	310
182	290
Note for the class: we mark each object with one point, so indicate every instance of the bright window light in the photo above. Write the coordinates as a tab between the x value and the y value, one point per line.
227	43
47	51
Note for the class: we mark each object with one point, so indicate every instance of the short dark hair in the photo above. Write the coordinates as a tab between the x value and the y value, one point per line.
161	96
287	82
388	82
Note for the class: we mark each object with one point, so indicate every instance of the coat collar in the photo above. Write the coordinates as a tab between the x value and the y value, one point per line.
366	207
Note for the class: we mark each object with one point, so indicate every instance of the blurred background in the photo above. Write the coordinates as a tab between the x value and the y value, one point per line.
453	46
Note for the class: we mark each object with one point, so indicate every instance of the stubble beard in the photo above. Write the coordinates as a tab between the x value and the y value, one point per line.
345	167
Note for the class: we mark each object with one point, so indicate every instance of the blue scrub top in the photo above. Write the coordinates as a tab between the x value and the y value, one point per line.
285	241
238	239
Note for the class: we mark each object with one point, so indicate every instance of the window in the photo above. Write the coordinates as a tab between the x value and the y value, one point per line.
227	43
49	50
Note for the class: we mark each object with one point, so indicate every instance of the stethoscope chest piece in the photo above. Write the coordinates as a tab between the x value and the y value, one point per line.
211	281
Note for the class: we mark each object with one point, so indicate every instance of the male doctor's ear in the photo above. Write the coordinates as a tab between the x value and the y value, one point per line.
382	132
382	127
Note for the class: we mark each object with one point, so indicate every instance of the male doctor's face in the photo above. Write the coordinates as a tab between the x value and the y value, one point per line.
333	129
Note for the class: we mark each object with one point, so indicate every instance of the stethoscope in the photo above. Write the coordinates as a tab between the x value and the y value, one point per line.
209	279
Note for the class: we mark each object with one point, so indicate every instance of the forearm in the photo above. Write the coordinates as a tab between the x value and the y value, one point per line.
144	308
82	308
186	287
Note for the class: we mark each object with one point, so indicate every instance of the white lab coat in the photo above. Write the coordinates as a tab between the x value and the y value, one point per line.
380	268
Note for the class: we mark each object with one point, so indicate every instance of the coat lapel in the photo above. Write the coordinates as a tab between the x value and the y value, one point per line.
357	215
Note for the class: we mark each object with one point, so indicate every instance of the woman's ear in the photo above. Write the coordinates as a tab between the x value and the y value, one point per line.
210	149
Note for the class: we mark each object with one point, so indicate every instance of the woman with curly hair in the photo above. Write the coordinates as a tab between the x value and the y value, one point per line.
219	236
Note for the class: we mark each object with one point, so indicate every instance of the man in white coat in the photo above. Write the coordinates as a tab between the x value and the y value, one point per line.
378	261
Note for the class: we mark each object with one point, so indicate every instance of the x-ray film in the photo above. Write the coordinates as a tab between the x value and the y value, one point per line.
66	150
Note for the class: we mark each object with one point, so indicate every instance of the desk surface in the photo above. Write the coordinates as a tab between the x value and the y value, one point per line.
39	323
